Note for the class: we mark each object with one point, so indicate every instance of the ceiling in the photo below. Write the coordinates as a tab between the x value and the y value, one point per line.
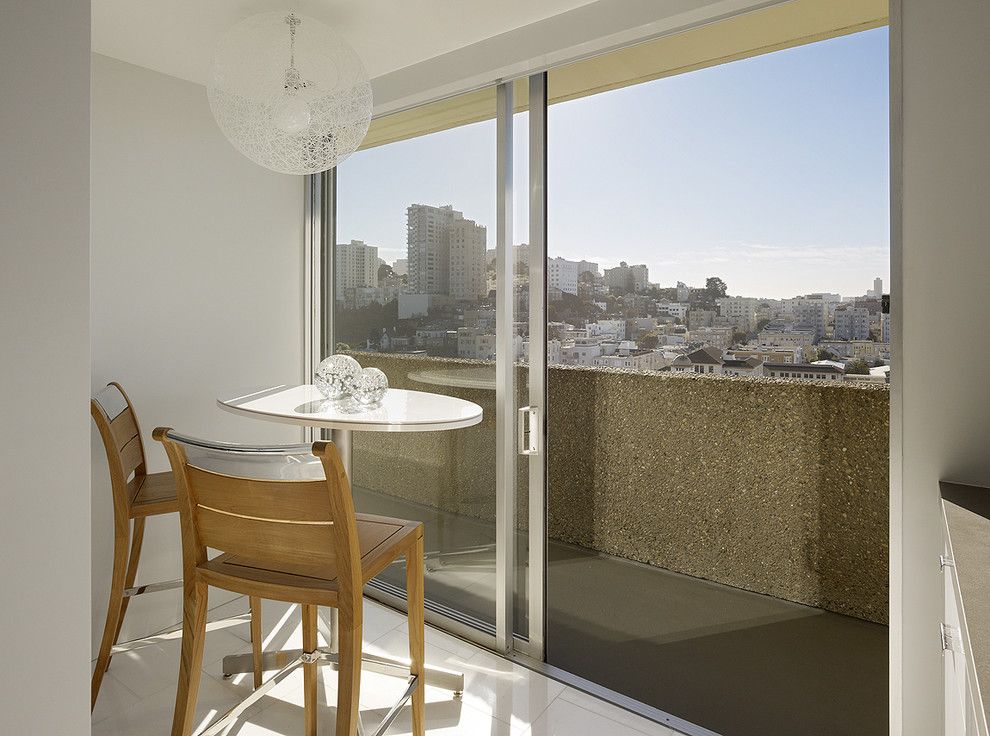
177	37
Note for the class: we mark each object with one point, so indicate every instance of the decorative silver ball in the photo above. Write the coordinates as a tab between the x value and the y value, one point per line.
335	377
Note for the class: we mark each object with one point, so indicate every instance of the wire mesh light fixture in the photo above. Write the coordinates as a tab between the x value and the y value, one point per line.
289	93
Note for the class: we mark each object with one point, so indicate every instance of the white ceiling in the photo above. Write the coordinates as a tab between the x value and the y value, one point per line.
177	37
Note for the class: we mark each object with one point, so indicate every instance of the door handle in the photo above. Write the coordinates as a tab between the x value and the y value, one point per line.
529	430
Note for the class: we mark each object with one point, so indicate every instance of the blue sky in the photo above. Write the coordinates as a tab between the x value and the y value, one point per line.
771	172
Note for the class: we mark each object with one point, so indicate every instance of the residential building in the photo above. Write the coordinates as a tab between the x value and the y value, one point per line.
852	323
476	344
866	349
700	318
705	360
627	279
740	311
810	313
720	337
781	334
805	371
614	328
436	268
400	267
885	327
640	360
678	310
744	367
768	354
877	291
468	277
563	274
581	351
356	266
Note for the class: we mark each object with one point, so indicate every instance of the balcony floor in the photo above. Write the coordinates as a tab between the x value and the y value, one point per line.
736	662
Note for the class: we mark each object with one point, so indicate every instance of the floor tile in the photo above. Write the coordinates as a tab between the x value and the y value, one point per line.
114	698
147	670
152	716
506	690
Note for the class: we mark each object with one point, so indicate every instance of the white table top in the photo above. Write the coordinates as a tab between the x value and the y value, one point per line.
401	410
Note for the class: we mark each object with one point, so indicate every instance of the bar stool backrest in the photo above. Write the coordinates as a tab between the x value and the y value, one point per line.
115	418
284	506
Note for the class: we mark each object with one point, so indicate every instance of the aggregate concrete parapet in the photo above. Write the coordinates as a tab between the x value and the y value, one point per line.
775	486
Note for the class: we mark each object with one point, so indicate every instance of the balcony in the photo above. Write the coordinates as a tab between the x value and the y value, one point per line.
742	522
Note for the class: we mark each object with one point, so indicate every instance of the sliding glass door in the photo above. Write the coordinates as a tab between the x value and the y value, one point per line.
426	273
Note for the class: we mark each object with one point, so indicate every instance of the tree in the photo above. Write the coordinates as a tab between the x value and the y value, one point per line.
858	366
715	287
385	272
649	341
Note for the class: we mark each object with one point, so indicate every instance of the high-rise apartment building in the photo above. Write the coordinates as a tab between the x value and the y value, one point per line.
627	278
468	277
445	252
356	266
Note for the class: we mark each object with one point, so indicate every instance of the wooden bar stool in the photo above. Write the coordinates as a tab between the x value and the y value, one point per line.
295	540
136	496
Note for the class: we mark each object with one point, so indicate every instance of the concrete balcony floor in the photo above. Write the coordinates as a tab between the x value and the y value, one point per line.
735	662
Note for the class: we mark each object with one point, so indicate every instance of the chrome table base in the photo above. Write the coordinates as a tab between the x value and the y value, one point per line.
319	656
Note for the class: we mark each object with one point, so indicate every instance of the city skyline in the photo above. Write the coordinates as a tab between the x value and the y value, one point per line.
775	197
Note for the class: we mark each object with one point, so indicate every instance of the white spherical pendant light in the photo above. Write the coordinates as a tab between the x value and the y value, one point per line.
289	93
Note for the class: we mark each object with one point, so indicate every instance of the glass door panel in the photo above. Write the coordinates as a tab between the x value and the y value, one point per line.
415	292
727	224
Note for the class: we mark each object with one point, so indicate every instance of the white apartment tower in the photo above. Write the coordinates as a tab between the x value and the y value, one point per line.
446	253
563	274
468	275
356	266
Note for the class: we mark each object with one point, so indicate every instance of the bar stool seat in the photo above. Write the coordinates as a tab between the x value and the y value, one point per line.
379	537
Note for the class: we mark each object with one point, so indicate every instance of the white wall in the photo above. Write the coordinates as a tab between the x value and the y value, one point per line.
943	277
44	366
197	275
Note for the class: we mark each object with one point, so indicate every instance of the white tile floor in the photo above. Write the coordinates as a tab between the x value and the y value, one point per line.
500	697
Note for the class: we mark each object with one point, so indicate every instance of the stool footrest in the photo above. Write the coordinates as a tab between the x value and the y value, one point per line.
152	588
434	676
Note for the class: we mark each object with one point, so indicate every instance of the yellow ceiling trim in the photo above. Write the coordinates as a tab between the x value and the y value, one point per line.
778	27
